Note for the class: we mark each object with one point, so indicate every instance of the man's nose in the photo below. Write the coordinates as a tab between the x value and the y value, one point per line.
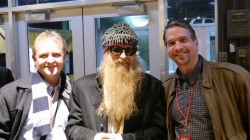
50	58
178	45
123	54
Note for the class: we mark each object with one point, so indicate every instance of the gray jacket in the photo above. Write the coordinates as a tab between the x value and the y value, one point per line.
15	101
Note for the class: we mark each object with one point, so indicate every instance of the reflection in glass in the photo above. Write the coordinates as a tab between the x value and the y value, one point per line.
65	30
212	48
2	47
3	3
30	2
138	23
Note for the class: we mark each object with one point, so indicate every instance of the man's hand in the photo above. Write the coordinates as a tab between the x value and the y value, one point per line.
107	136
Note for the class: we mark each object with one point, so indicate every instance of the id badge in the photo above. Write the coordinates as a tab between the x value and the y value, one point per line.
184	137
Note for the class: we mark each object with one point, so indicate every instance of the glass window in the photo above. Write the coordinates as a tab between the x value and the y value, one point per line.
197	21
3	3
200	15
29	2
64	28
2	47
209	21
138	23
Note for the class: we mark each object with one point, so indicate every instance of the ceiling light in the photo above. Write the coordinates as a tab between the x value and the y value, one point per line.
140	22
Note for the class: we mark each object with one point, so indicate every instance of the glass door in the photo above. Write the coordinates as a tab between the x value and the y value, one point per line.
2	46
82	28
145	23
141	29
68	23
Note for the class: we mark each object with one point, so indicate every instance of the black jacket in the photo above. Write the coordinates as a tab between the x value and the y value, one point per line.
148	124
5	76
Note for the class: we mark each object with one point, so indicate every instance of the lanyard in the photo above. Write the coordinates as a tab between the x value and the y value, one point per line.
189	104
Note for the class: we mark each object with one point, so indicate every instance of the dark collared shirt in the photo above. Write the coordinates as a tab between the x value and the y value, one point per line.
199	121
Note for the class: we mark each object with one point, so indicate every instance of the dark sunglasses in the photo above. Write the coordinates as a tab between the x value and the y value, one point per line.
117	50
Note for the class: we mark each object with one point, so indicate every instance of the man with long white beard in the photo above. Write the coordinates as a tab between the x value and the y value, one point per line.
120	101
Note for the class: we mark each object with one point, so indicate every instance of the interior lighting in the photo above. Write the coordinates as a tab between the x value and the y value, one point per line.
140	22
211	3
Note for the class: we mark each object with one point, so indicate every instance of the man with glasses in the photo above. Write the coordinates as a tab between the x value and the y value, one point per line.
119	101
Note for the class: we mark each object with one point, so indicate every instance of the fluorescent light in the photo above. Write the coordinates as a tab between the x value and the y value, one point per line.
140	22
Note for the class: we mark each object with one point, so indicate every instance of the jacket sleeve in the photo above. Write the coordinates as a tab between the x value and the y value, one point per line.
75	129
241	91
5	126
246	107
155	128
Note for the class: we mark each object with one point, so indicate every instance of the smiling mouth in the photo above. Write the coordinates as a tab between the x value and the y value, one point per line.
180	54
51	67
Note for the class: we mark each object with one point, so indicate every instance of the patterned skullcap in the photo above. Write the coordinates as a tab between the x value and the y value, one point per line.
119	34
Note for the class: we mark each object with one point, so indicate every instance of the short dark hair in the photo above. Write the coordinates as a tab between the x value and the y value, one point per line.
181	24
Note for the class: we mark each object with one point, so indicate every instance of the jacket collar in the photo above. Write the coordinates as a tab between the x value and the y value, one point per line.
207	74
98	79
26	82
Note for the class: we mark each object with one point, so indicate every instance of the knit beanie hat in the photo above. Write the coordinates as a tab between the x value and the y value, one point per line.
119	34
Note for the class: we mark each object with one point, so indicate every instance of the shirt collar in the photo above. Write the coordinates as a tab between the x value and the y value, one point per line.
191	77
49	87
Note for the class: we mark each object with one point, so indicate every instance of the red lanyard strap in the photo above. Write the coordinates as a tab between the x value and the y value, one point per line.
189	104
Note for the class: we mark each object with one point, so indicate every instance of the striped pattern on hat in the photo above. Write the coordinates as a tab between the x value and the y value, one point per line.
119	34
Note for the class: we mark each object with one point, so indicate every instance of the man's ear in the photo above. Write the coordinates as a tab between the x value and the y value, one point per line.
64	56
196	44
34	57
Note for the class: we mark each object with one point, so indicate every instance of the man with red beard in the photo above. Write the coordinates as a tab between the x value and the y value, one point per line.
119	101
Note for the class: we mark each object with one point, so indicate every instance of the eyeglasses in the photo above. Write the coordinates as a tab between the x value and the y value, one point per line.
117	50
